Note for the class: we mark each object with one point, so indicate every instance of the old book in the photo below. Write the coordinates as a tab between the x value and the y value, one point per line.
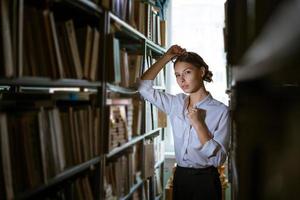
163	32
96	130
49	44
137	117
57	48
106	4
29	135
94	62
59	139
6	39
162	119
46	147
124	69
85	41
114	59
71	38
5	158
18	46
68	138
149	159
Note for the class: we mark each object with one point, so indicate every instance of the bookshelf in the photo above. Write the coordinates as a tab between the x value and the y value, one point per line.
264	98
72	123
130	38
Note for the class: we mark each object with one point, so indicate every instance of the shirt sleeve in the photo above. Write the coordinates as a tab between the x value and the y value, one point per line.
160	99
216	148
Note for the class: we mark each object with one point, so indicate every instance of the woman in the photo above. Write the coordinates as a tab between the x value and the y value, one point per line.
199	122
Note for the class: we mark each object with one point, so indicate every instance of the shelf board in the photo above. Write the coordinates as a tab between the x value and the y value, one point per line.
159	163
60	179
128	144
126	25
152	133
151	2
154	47
85	5
132	190
47	82
158	197
119	89
132	142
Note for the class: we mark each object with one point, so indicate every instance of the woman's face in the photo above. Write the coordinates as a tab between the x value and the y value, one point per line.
189	77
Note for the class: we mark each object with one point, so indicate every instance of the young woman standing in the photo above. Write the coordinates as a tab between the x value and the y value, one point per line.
199	123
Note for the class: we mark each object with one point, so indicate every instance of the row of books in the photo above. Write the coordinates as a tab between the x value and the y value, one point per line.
155	118
153	186
159	149
38	145
48	46
142	16
123	173
126	171
160	78
124	68
125	121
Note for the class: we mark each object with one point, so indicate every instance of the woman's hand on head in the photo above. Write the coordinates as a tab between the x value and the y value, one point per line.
174	51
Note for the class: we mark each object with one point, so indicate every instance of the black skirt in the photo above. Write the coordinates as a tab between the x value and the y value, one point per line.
196	184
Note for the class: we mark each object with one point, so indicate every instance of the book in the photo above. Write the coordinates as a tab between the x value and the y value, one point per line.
6	40
5	158
114	71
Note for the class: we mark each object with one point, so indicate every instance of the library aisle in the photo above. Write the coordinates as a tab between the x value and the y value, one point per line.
73	125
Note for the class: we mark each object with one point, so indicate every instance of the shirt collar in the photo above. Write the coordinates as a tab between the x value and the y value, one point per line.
197	105
206	99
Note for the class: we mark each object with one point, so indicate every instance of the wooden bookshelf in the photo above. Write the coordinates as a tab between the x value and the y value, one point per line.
263	57
132	190
59	44
61	179
47	82
135	43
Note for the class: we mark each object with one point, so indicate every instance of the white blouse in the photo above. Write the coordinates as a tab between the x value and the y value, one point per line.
189	151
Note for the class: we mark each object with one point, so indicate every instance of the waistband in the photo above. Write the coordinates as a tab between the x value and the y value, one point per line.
198	170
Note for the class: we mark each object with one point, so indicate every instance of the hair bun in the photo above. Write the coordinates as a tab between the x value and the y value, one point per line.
208	76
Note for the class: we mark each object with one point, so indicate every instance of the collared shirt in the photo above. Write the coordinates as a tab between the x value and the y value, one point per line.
189	151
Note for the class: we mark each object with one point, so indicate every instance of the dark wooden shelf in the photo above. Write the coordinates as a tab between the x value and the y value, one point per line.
132	142
126	25
47	82
158	197
152	133
159	163
119	89
158	50
121	148
132	190
84	5
60	179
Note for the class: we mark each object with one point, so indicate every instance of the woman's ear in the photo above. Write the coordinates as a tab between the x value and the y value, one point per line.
202	71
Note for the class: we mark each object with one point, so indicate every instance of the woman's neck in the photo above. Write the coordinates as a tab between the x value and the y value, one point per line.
198	96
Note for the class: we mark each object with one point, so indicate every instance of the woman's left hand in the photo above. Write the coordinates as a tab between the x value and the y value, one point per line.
197	116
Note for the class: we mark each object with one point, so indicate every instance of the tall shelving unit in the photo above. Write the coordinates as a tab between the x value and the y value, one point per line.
135	42
85	100
263	49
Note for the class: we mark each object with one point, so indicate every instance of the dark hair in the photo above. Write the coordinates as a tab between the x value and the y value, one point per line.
197	61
